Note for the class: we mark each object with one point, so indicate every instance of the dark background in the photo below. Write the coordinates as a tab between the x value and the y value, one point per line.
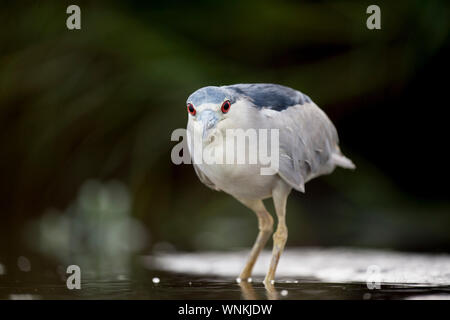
86	118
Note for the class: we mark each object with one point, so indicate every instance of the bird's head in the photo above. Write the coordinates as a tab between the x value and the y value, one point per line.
209	109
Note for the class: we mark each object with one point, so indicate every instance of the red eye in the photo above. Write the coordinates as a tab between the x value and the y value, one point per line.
226	106
191	109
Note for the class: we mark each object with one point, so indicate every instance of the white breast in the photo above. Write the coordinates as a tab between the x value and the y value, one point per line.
240	180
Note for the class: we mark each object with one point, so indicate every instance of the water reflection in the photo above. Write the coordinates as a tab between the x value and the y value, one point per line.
248	293
140	285
271	293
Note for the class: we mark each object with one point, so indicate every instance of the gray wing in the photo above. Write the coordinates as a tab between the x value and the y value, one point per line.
308	139
308	144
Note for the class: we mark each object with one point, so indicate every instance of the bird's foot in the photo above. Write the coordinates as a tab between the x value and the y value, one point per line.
268	281
271	292
245	275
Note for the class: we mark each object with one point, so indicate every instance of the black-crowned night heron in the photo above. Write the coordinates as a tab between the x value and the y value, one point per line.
307	147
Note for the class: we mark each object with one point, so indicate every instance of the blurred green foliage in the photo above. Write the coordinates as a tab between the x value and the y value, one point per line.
101	103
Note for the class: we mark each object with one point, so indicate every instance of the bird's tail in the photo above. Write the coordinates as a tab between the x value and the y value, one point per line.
340	160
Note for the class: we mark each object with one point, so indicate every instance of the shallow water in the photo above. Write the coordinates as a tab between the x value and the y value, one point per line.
183	286
303	274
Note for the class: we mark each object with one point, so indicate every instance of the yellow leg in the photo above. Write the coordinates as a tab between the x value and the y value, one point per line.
265	224
280	195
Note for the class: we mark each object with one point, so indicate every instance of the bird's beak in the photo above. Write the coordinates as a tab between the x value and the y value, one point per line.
208	119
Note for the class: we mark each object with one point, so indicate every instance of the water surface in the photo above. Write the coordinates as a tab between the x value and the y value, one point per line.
306	273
